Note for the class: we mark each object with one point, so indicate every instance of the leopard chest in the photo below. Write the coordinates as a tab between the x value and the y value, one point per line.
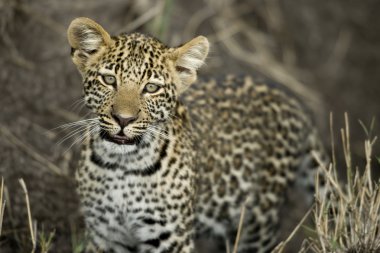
119	202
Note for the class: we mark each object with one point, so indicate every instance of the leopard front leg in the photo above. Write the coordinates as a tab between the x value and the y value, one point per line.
146	231
166	233
260	231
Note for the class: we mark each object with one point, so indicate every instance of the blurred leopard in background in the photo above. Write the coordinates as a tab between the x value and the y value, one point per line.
167	158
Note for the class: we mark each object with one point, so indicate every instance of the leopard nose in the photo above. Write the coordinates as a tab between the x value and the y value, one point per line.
123	120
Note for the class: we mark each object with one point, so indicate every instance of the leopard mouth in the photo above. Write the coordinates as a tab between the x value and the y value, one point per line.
120	138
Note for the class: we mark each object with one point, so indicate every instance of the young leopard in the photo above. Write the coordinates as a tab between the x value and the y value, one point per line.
168	159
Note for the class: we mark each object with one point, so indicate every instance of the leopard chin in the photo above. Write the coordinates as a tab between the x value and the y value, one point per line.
120	138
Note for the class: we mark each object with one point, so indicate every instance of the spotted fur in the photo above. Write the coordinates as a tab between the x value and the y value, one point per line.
163	167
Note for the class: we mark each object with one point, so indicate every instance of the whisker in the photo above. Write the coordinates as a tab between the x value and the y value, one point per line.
76	123
160	129
162	133
79	130
88	132
71	134
158	134
79	103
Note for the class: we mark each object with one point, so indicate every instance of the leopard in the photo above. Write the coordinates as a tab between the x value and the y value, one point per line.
170	157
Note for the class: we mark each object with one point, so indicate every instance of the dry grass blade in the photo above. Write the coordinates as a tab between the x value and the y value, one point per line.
348	219
29	150
347	150
237	239
281	246
332	141
45	241
368	151
228	249
330	176
2	204
32	227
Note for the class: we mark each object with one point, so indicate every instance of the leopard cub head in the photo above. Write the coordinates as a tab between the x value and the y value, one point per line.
132	81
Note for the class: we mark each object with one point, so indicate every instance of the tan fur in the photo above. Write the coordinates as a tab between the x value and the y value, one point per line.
189	58
85	35
126	102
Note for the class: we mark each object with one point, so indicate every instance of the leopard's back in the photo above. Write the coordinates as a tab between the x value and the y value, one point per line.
252	138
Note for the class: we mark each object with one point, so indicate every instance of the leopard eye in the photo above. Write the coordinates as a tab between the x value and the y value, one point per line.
108	79
151	88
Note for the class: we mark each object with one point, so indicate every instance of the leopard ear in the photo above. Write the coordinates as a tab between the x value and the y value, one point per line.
189	58
86	38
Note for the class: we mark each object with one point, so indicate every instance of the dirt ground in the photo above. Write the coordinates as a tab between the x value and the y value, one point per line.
326	51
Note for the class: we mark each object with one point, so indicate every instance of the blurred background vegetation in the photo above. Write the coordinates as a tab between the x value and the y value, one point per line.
328	52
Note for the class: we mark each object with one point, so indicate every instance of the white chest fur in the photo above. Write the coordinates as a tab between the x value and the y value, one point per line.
129	198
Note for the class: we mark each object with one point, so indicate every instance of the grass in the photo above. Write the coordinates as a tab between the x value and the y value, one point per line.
32	225
2	204
40	242
45	241
347	220
78	240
